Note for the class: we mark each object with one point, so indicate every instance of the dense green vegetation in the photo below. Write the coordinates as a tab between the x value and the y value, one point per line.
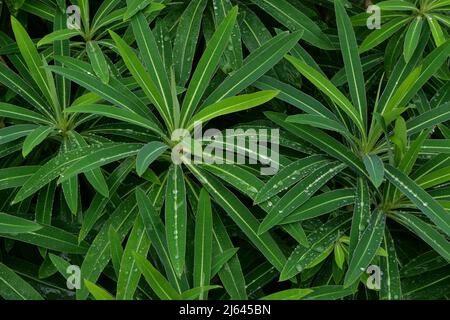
98	198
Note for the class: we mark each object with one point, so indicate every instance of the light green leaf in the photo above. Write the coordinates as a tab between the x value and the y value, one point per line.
97	292
289	294
149	153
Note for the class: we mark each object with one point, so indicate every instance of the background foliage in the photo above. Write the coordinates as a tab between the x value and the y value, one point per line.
86	177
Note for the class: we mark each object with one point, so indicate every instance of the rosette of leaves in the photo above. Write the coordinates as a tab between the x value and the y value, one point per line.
396	166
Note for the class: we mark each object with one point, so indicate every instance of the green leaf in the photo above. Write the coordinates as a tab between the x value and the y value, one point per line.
34	62
220	260
116	249
151	56
375	168
156	233
299	194
14	225
436	30
203	241
295	97
323	203
231	105
427	261
176	218
143	79
255	65
361	214
97	292
21	87
288	15
321	239
400	139
296	231
138	243
95	177
288	176
15	176
14	287
35	138
149	153
412	38
58	35
391	286
194	293
71	193
115	92
207	65
186	39
321	140
429	119
289	294
116	113
396	5
97	207
60	264
44	205
320	122
134	6
429	206
366	248
15	132
325	85
380	35
233	57
100	158
329	292
50	238
98	61
352	62
14	112
156	280
240	214
418	77
98	255
426	232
